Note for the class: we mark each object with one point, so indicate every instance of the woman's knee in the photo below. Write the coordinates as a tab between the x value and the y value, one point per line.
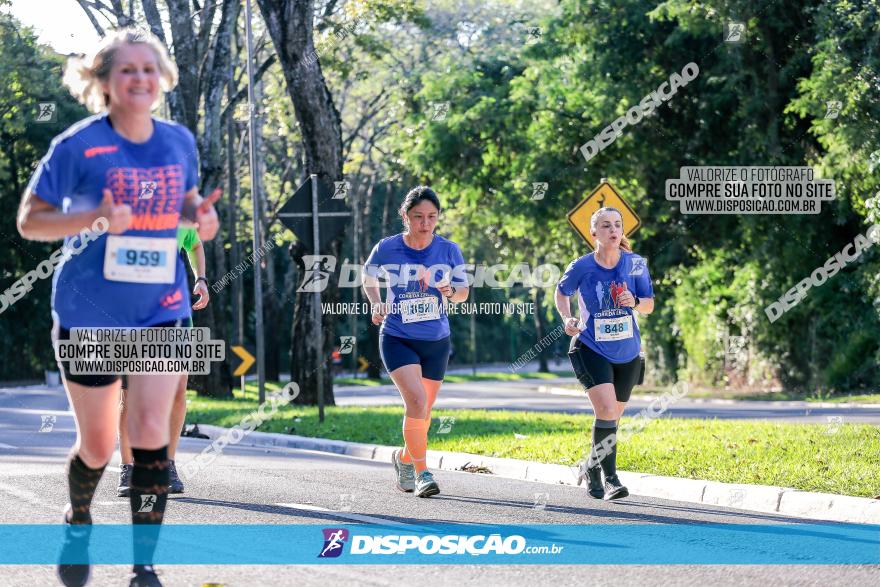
604	402
96	447
416	405
146	427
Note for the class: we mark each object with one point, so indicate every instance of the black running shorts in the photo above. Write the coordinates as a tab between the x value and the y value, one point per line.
593	369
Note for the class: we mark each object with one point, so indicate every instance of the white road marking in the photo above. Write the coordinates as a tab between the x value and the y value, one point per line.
345	515
7	446
24	495
62	413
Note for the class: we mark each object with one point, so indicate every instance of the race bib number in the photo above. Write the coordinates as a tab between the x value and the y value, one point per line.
419	309
614	328
140	259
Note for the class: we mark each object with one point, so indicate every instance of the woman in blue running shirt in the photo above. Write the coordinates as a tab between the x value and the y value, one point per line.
611	284
423	272
125	176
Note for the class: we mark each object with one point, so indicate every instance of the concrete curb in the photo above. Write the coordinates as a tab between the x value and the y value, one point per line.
759	498
553	390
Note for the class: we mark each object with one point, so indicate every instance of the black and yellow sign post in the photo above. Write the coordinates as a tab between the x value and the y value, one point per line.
603	196
245	360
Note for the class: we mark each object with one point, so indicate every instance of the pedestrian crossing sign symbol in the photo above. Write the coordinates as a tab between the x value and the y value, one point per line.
603	196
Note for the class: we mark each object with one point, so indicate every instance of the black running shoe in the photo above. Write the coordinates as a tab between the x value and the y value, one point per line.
614	489
597	490
124	480
175	485
75	547
144	576
593	477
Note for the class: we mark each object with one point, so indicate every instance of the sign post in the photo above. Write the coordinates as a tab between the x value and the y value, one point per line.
316	220
255	193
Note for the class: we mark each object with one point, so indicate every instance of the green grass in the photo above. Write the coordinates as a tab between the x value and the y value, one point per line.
865	398
810	457
487	376
707	393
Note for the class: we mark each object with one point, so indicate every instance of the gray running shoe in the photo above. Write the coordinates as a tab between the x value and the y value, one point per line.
425	485
175	485
124	480
406	473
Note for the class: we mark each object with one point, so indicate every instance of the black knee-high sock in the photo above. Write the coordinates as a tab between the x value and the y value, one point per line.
149	494
81	481
604	450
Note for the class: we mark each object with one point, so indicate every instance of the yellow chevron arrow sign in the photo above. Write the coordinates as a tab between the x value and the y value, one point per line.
363	364
247	360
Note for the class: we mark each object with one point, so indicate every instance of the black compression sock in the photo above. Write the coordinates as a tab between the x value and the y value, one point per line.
149	494
81	481
605	446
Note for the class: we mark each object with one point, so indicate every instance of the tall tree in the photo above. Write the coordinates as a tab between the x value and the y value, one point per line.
289	23
201	48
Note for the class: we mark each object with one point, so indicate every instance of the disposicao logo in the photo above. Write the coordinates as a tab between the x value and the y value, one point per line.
334	540
432	544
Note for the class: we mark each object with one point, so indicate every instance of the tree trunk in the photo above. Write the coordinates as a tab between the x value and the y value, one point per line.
187	59
289	23
271	305
374	371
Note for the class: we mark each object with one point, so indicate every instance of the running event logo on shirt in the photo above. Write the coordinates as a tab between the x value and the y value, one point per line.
334	540
607	294
423	278
160	211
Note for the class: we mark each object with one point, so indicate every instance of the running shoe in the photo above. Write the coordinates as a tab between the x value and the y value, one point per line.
596	489
593	477
425	485
614	489
144	576
175	485
124	480
75	547
406	473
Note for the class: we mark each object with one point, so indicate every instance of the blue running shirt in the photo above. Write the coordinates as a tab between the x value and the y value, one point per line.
611	330
410	274
152	178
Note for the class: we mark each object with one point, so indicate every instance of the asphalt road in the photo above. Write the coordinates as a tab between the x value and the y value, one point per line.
250	485
524	396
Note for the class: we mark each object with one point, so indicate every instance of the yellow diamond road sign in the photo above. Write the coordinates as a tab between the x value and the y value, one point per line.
603	196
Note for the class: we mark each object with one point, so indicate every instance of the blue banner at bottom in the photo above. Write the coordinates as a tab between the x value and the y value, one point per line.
637	544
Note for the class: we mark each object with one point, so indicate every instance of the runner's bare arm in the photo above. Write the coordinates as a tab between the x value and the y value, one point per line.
378	310
41	221
563	306
371	289
460	295
646	306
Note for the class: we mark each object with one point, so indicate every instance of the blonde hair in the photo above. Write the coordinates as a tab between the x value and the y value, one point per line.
83	74
624	242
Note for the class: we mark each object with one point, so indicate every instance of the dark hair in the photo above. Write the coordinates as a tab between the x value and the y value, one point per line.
416	195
